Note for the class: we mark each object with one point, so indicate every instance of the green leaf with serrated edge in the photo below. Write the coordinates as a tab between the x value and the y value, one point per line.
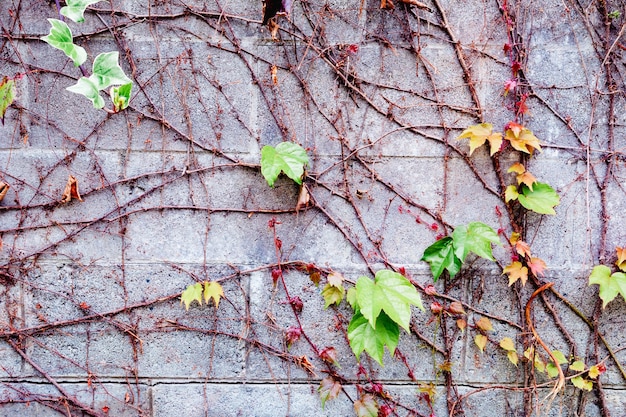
476	237
120	96
577	366
440	255
581	383
552	370
332	295
87	88
7	95
610	285
329	389
366	406
542	199
107	71
192	293
559	357
351	297
390	292
286	157
60	37
75	9
363	337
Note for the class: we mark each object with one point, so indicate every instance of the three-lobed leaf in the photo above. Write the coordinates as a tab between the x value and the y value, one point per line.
213	290
192	293
478	134
476	237
541	198
332	294
286	157
75	9
440	255
329	389
610	284
60	37
363	337
7	95
389	292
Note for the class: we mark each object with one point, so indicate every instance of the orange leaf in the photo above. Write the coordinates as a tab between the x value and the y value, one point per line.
478	134
621	258
522	248
517	168
527	178
484	324
461	324
516	271
521	138
4	187
537	266
71	190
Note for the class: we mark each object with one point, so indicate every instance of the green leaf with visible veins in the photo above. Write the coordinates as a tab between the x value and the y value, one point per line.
287	157
7	95
440	255
610	285
107	71
60	37
75	9
192	293
390	292
476	237
363	337
87	88
541	199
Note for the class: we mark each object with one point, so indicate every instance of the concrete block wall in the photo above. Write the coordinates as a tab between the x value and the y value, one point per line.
90	315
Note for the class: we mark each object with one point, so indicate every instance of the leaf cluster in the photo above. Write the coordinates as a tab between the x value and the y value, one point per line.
199	291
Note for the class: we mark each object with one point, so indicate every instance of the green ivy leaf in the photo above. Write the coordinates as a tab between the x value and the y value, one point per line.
610	285
366	406
87	88
107	71
363	337
332	294
192	293
351	297
7	95
75	9
541	199
329	389
287	157
120	96
440	255
390	292
581	383
552	370
577	366
476	237
560	357
60	37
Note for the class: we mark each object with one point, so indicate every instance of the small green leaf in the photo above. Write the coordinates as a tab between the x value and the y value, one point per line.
610	285
440	255
60	37
366	406
390	292
76	8
476	237
120	96
559	357
581	383
351	297
329	389
363	337
192	293
107	71
541	199
332	295
87	88
552	370
7	95
510	193
577	366
287	157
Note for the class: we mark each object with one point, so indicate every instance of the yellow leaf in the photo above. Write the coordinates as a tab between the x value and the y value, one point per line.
478	134
594	372
481	341
335	279
517	168
521	138
526	178
192	293
513	358
514	238
510	193
516	271
621	258
507	344
213	290
581	383
484	324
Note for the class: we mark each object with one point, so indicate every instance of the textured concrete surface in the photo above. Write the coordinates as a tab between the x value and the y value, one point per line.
90	313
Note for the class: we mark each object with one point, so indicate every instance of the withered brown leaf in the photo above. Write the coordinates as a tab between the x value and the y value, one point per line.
71	190
303	198
4	187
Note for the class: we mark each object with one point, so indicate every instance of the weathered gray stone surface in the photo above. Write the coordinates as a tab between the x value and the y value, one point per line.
90	315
